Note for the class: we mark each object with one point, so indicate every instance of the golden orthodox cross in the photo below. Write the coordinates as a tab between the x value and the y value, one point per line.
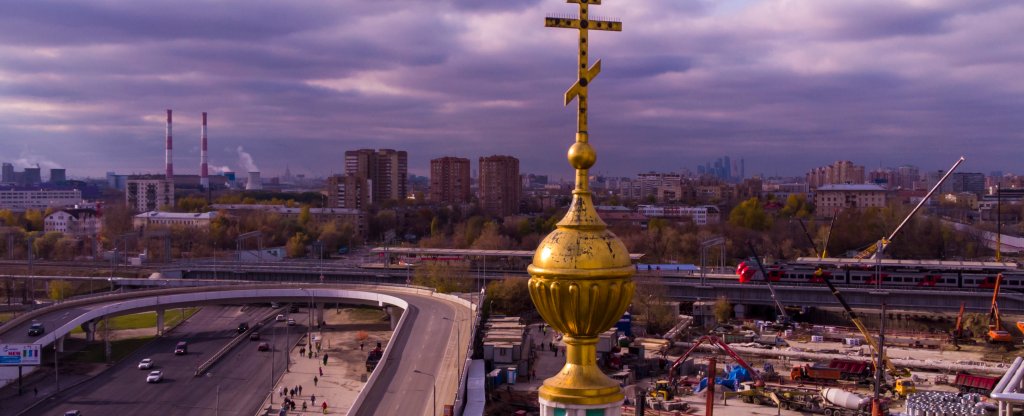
584	23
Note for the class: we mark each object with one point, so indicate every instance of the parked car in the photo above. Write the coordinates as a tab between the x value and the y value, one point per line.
264	346
279	318
242	327
291	322
254	336
36	329
146	364
155	376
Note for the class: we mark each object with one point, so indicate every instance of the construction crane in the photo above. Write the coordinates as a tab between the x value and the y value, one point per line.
824	245
711	339
996	333
876	249
783	318
900	384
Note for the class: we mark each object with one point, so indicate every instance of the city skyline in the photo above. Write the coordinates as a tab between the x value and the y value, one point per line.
787	86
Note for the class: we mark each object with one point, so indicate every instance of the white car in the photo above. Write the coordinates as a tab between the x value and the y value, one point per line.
146	364
155	376
279	318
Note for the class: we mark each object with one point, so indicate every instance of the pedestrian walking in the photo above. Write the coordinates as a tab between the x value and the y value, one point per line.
324	406
302	351
310	354
360	346
315	380
321	371
325	359
303	405
300	389
312	398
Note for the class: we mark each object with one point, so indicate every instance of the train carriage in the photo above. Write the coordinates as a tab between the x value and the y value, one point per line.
886	272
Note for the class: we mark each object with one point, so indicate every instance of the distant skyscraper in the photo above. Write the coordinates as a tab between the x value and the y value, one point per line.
386	170
8	173
58	175
500	187
449	180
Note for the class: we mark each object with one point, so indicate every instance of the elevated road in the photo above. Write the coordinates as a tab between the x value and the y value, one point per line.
424	342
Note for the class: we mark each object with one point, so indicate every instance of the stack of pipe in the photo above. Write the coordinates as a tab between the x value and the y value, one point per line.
929	403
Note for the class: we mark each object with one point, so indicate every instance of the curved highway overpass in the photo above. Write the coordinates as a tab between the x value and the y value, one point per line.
425	339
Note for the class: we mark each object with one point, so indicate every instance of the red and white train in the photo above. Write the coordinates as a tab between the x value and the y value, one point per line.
893	273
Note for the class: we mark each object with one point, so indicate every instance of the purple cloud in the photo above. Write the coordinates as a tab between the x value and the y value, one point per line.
787	85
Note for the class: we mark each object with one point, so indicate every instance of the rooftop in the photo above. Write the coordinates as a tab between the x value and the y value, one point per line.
851	187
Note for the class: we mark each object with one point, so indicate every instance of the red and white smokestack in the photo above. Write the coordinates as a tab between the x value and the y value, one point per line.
167	157
204	178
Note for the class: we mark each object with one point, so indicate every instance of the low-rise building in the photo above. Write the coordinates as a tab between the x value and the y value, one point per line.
74	222
200	220
832	199
503	341
701	215
22	199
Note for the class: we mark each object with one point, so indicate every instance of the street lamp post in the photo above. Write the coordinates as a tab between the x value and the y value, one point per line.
434	386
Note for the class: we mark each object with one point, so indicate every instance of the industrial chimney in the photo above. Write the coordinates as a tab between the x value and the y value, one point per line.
204	178
167	157
255	183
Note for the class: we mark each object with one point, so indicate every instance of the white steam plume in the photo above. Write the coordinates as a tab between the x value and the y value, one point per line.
245	159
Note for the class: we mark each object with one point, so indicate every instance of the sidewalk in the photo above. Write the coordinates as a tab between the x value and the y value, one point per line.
345	373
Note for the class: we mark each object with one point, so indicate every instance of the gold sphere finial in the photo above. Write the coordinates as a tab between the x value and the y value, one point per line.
582	155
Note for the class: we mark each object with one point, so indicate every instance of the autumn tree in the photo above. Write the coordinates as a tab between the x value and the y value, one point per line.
33	220
444	277
796	206
652	306
296	246
491	238
59	290
722	309
750	214
192	203
510	296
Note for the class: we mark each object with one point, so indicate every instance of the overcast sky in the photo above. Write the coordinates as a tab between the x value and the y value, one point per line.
785	84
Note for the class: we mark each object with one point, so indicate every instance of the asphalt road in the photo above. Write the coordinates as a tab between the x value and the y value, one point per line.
422	345
426	343
235	380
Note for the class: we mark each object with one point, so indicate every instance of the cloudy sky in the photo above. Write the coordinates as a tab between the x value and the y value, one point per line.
785	84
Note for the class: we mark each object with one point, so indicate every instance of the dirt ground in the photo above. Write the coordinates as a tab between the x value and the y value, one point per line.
345	332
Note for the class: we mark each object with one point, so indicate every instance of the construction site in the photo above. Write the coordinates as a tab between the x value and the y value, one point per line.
712	363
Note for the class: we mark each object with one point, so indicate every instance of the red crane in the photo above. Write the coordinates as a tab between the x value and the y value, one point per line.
711	339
